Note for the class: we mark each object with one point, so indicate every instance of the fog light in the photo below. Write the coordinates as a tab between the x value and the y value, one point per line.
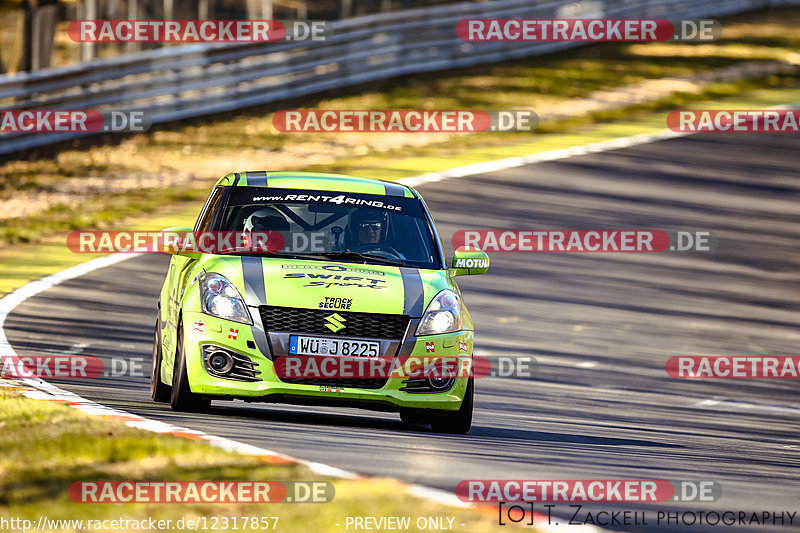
439	383
220	362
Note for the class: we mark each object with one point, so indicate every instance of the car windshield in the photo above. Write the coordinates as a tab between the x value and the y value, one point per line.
325	225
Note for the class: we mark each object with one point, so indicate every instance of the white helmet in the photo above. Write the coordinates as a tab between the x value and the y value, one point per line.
266	219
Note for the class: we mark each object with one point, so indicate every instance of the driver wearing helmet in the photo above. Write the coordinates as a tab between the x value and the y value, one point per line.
367	227
263	220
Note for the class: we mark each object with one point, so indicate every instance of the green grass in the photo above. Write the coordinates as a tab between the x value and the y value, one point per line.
97	213
28	262
46	447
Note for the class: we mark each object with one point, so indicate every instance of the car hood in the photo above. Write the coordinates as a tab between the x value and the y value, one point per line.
332	285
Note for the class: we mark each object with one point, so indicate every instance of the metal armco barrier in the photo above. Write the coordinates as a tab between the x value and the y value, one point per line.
192	80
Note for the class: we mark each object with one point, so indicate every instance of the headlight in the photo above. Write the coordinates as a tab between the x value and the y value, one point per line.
443	314
221	299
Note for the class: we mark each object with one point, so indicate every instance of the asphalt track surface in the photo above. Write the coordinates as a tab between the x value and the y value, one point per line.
600	325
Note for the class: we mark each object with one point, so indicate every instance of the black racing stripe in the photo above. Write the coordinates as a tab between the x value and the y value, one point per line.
253	274
410	342
255	294
256	178
413	292
393	189
236	179
260	336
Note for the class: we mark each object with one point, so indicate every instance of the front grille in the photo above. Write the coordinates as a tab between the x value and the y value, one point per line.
313	322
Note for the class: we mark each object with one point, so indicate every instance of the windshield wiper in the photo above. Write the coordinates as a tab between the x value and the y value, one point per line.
363	257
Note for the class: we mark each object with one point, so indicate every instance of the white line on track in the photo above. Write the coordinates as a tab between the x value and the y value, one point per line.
77	348
550	155
726	404
545	360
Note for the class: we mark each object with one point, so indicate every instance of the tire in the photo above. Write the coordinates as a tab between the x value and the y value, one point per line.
159	391
459	421
412	416
182	398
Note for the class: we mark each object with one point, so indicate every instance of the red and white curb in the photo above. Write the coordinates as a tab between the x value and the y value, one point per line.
41	390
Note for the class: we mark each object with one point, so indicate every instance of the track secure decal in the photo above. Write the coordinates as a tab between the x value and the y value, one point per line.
336	303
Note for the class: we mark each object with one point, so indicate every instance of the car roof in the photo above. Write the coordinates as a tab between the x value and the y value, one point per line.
315	181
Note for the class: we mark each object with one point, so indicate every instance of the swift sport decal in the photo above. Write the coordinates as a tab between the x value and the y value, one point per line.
337	280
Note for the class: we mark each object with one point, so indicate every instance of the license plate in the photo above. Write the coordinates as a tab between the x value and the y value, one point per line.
300	345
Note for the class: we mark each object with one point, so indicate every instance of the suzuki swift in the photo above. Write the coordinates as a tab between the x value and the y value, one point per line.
352	271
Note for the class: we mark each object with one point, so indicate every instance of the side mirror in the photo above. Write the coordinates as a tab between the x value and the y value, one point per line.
469	260
178	240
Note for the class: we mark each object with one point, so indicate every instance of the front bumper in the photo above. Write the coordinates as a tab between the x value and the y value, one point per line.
251	341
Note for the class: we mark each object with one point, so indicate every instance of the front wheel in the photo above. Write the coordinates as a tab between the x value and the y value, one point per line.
459	421
183	399
159	391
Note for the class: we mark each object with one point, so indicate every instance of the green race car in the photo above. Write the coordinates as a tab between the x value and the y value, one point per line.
283	269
